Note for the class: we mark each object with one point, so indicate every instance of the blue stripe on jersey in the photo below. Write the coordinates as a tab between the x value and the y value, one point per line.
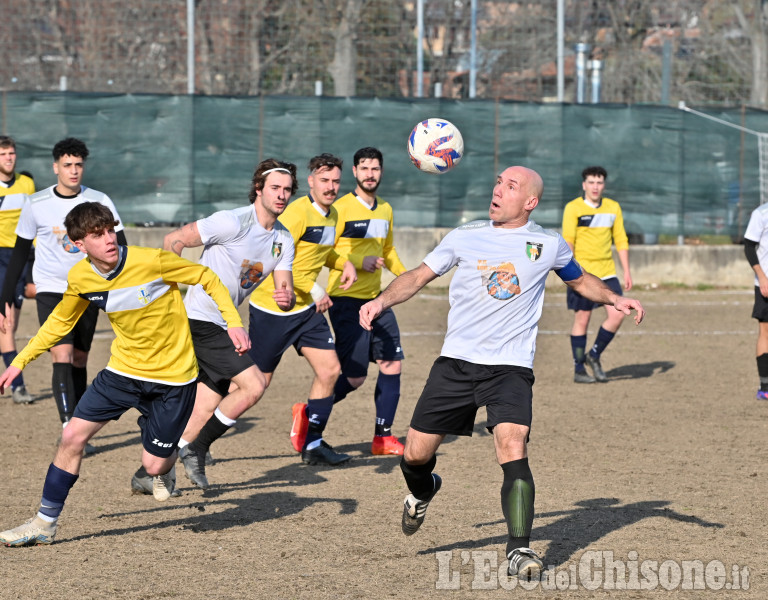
570	271
355	229
319	235
598	220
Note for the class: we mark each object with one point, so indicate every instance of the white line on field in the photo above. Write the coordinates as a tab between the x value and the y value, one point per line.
568	332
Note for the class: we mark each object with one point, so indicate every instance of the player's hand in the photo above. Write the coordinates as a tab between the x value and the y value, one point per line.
368	313
762	282
284	297
240	339
348	275
323	304
373	263
7	377
626	305
8	322
627	282
30	290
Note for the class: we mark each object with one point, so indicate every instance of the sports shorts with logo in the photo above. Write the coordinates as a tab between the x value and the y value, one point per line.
271	335
217	360
356	346
164	408
456	389
81	335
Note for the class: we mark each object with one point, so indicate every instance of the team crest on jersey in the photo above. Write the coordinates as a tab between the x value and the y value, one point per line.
533	250
250	273
144	296
277	249
501	282
67	244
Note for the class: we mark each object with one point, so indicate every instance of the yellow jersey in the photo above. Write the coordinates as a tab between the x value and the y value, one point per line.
142	300
12	198
363	231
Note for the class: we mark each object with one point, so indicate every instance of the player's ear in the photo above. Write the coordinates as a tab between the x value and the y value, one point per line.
80	246
532	202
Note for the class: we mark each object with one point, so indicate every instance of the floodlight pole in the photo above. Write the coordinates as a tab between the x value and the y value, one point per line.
473	51
420	49
560	50
190	46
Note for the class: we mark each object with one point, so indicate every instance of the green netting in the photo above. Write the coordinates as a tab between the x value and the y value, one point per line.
171	159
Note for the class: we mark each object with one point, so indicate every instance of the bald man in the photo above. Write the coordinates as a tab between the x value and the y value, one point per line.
496	299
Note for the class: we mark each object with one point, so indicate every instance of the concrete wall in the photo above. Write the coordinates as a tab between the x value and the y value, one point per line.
689	265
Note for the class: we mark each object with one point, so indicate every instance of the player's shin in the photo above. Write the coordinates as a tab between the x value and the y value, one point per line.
318	413
419	478
386	397
64	390
517	496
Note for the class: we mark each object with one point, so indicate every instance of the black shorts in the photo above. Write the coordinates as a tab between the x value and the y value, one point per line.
578	302
271	335
5	259
760	309
357	347
165	409
81	335
456	388
217	359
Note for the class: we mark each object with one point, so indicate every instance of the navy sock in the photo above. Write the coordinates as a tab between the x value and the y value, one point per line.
517	495
603	338
80	381
762	371
8	359
64	390
318	413
579	348
386	397
56	488
342	388
419	478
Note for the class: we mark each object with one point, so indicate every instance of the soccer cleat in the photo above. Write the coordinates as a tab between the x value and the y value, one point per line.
89	450
324	454
299	426
414	510
21	395
597	368
164	486
525	564
209	459
34	532
141	483
761	395
386	444
194	466
583	377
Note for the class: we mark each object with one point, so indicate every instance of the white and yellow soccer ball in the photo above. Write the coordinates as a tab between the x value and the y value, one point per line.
435	146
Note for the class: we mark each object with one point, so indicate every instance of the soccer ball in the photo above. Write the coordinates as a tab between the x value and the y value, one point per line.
435	146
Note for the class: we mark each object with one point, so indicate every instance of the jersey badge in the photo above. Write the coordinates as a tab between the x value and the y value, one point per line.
250	273
144	296
67	244
533	250
277	249
501	282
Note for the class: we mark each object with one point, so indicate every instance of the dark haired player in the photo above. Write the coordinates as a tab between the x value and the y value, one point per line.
55	254
756	251
311	220
496	297
242	246
590	224
364	237
152	368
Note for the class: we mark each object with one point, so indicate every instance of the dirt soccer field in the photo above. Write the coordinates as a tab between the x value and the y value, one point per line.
655	482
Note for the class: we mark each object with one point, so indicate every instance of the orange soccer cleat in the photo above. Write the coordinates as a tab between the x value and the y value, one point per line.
386	444
299	426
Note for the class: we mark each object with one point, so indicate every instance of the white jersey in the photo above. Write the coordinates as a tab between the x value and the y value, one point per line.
55	254
497	291
242	253
757	231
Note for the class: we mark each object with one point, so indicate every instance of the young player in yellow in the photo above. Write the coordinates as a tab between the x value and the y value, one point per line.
311	221
364	236
14	192
590	225
152	367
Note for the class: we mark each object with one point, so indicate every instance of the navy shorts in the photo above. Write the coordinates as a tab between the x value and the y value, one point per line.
578	302
5	259
455	389
760	309
357	347
165	409
217	359
271	335
81	335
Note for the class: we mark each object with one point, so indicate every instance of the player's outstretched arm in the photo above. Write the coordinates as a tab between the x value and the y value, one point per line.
400	290
7	377
187	236
593	288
